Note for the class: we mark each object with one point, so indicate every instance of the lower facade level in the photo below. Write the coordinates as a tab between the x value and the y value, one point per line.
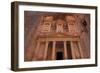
58	50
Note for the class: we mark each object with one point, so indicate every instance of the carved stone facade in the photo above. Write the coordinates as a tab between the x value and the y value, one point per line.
60	37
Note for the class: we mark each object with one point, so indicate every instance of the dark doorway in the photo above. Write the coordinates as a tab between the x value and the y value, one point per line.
59	56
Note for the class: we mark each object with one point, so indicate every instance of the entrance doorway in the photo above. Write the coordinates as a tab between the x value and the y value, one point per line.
59	55
59	50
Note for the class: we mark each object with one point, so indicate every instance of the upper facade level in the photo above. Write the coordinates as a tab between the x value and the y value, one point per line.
65	24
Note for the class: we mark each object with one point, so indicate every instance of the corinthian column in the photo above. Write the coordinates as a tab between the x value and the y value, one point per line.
45	50
65	50
80	49
36	51
72	50
53	50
